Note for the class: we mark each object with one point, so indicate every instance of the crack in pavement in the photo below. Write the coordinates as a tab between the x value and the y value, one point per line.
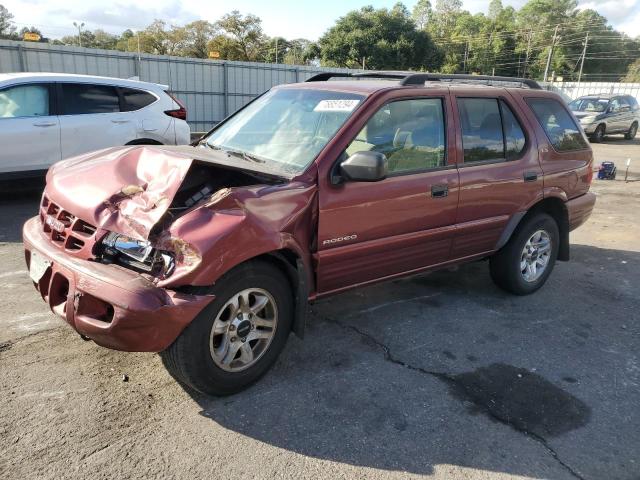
453	381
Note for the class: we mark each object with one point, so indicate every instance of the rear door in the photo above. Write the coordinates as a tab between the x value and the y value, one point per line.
500	174
91	118
370	231
29	128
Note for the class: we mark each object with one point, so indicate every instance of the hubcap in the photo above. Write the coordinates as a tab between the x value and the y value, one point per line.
243	329
535	256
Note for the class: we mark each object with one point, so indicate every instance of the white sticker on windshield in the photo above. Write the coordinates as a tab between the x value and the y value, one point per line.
337	105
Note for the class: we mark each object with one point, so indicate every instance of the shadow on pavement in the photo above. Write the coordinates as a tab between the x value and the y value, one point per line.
445	369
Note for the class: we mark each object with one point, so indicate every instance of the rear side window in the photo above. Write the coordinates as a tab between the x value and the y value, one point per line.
84	98
633	102
562	131
490	130
133	99
24	101
513	134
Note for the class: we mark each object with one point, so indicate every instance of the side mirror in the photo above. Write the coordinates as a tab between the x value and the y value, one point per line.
365	167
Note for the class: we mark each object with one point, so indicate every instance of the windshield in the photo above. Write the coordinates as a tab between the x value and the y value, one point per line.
595	105
285	128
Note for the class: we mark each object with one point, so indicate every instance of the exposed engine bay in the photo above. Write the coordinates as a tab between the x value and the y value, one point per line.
201	183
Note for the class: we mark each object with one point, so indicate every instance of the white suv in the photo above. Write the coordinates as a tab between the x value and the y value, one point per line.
46	117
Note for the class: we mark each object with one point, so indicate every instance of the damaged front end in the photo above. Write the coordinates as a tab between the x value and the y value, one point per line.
128	231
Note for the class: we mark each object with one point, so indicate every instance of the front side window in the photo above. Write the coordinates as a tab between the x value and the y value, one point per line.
24	101
285	128
410	133
84	98
560	128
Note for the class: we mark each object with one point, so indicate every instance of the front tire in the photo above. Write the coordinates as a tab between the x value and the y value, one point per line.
598	135
236	338
523	265
633	130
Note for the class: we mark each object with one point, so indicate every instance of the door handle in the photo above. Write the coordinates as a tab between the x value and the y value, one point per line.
439	191
44	124
530	176
119	121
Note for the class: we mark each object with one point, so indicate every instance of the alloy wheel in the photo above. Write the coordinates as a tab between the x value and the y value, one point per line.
243	329
535	256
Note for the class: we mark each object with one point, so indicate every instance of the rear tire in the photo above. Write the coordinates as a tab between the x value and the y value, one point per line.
633	130
523	265
202	357
598	134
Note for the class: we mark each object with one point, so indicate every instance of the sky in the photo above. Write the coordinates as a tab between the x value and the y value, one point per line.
286	18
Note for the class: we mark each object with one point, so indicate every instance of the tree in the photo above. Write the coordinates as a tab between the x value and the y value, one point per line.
7	28
421	13
633	72
197	36
382	39
240	37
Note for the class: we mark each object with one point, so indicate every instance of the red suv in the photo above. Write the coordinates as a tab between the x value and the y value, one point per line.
209	253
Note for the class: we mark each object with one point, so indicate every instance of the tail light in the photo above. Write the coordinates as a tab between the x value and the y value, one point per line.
180	113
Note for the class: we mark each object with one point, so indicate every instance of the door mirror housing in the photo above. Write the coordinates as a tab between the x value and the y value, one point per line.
364	167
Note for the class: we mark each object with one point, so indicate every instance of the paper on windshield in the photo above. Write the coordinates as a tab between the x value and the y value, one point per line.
336	105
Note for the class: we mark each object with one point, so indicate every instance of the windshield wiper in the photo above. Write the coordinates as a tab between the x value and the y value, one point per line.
243	155
236	153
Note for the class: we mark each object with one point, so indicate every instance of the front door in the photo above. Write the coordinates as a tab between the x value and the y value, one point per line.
370	231
29	128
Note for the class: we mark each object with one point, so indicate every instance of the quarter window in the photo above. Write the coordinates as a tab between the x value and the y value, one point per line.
562	131
410	133
24	101
82	98
133	99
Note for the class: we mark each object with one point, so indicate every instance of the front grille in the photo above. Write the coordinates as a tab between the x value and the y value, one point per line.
66	230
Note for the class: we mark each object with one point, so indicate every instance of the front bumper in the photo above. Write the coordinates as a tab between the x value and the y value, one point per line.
115	307
579	209
589	128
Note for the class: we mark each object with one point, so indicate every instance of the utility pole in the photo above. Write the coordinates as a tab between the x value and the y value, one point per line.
526	60
276	49
466	57
553	44
363	64
584	54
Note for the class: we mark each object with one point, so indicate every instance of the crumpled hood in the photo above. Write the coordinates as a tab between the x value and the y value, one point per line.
123	189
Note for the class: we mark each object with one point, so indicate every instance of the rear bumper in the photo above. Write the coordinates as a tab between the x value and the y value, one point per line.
579	209
115	307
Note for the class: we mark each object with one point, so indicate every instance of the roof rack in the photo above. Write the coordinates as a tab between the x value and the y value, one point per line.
413	78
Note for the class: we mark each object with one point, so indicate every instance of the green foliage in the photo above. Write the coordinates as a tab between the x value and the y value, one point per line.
438	35
633	73
384	39
241	37
7	28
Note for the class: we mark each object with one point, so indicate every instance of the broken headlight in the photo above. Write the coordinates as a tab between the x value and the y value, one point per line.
137	254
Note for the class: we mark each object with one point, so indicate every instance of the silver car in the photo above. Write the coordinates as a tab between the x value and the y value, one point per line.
600	115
